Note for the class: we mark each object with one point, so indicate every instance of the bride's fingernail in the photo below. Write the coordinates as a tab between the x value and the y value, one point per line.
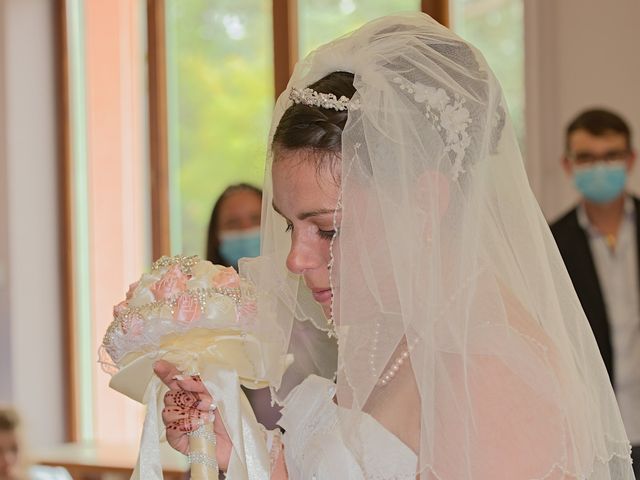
210	417
178	377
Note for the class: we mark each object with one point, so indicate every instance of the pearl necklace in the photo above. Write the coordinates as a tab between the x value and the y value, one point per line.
395	366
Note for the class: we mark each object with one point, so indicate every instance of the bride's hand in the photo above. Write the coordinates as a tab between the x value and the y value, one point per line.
187	406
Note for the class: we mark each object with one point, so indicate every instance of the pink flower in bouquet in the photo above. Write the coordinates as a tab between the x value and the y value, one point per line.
226	278
133	326
119	308
171	283
123	305
132	289
187	309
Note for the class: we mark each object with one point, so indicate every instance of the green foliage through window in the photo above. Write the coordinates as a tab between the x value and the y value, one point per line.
220	82
221	93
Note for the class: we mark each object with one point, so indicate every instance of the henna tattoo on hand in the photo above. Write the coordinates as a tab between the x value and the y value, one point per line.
184	399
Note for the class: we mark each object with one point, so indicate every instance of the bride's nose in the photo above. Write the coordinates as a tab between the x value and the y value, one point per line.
303	255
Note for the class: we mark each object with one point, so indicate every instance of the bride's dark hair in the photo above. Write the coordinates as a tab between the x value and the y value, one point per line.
316	129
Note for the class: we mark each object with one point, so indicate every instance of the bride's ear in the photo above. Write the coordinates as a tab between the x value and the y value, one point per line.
434	191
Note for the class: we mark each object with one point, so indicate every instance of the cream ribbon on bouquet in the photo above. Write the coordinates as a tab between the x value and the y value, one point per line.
202	318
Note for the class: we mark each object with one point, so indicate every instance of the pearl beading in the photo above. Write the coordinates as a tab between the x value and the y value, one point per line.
203	459
374	349
205	433
391	372
185	263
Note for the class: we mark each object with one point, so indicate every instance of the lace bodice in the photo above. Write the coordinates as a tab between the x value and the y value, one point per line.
315	447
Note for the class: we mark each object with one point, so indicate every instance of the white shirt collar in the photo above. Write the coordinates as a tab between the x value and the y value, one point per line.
585	223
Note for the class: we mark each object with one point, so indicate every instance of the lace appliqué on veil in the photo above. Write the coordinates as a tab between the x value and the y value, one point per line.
449	116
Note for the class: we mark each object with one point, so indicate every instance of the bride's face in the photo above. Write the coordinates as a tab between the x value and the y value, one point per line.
307	198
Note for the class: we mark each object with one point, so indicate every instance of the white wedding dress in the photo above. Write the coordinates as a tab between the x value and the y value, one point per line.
315	447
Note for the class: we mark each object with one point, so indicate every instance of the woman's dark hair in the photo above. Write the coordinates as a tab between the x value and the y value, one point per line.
213	238
316	129
9	420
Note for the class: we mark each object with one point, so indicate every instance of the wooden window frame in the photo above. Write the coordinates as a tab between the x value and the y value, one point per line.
437	9
65	199
285	42
158	129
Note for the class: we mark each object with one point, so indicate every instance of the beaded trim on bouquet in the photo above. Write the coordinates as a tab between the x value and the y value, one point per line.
178	294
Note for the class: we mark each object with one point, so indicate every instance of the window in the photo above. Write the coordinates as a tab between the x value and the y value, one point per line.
321	21
220	98
496	27
108	208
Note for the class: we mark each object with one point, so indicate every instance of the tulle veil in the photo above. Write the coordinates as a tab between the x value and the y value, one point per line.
443	256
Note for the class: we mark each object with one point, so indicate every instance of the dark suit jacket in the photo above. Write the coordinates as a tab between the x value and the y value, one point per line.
573	243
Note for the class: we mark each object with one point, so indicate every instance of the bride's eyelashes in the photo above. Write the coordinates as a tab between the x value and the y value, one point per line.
324	234
327	234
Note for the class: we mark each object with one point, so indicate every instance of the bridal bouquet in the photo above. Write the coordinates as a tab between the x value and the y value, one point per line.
202	318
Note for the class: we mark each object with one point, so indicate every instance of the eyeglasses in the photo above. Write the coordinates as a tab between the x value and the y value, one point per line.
610	156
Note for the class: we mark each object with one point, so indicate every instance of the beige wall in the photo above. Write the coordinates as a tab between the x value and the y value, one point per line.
581	54
30	323
6	376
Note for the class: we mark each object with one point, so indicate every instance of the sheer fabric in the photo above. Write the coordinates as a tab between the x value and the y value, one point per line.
442	253
315	447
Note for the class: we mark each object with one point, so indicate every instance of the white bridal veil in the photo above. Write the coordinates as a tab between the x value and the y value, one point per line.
443	253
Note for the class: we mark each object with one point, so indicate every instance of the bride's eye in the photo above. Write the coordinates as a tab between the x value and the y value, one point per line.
326	234
289	227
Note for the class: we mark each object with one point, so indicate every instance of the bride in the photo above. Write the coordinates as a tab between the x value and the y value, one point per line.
397	200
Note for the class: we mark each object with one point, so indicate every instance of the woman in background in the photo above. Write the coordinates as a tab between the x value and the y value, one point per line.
13	461
234	227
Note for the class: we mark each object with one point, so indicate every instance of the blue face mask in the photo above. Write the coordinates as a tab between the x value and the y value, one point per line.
239	244
601	182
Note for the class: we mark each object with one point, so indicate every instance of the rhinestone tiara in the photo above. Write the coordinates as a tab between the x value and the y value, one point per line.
308	96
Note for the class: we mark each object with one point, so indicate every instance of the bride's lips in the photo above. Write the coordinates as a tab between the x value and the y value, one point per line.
321	295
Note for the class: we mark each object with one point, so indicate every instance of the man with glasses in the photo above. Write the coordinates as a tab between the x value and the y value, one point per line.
599	242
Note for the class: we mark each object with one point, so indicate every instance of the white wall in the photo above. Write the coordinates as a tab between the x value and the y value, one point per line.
30	320
6	377
581	54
